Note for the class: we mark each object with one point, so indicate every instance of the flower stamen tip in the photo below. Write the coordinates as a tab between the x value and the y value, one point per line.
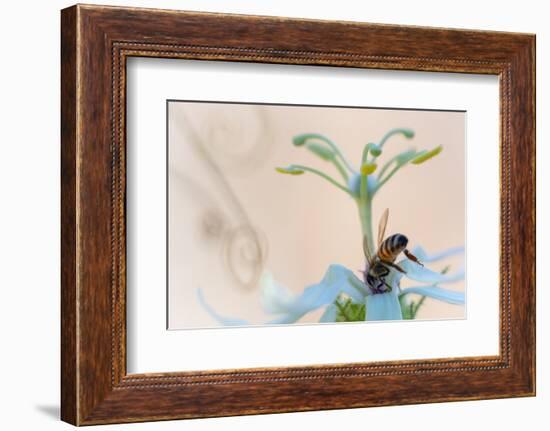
300	140
368	168
408	133
290	170
426	155
375	150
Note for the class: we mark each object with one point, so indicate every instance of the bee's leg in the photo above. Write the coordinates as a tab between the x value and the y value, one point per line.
387	285
412	257
395	266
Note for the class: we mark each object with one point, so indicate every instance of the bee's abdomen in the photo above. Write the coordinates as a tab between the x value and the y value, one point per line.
392	246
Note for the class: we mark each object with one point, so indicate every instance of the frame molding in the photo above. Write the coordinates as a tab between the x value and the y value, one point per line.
95	42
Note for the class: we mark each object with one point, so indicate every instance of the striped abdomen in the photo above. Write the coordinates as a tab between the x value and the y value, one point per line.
391	247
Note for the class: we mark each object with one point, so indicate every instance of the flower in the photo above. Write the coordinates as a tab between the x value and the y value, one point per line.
288	308
341	294
340	282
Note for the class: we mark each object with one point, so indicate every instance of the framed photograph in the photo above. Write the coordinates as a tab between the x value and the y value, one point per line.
259	208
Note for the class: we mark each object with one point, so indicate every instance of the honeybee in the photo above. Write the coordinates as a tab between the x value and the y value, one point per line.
378	267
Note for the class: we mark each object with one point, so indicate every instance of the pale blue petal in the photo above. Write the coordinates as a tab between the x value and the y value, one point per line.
383	306
278	300
224	320
435	292
357	290
420	273
423	257
330	314
275	298
337	280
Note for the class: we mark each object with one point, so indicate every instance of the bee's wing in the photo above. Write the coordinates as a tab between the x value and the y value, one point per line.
366	250
382	226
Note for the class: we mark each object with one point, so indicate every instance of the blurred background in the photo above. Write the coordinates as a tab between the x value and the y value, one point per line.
232	216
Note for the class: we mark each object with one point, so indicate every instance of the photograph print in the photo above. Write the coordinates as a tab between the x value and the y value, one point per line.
298	214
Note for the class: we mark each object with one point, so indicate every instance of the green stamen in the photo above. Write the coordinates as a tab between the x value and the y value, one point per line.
400	159
407	133
421	158
301	140
290	171
299	169
375	150
327	154
320	150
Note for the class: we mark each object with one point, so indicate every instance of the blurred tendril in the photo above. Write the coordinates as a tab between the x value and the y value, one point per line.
243	247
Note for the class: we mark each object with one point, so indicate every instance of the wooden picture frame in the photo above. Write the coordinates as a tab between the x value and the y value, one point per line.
96	41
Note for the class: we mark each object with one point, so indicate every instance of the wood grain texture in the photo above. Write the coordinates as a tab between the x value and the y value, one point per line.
96	41
69	365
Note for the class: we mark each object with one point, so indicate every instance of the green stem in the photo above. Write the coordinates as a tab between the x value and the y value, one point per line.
365	215
365	154
364	204
416	306
325	176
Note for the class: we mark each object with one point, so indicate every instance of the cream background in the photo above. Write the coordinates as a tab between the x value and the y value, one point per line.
306	223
